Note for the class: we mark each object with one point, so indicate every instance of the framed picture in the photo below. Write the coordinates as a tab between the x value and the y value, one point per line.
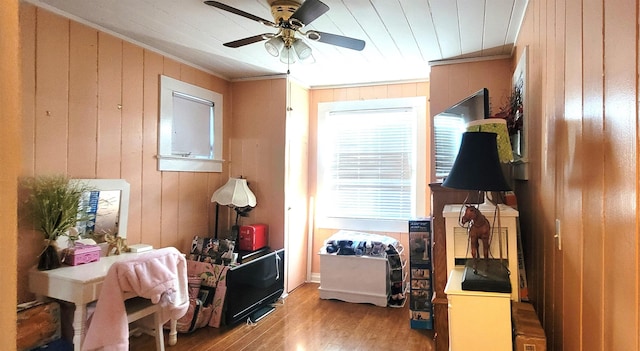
519	140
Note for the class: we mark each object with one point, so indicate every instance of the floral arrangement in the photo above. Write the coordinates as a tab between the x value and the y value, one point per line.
53	204
512	111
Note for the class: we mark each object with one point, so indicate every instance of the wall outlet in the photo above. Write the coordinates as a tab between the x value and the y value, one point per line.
558	235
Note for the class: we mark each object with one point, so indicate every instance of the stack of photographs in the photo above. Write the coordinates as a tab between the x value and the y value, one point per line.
211	250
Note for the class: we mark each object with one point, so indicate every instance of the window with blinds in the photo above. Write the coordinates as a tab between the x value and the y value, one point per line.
447	135
367	166
190	129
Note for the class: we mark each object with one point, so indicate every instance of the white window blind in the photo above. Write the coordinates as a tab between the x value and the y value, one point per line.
447	131
192	126
370	173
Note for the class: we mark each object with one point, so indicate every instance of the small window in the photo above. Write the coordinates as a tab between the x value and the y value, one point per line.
190	135
369	177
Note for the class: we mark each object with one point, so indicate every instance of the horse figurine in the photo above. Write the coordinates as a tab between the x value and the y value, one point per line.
117	244
479	229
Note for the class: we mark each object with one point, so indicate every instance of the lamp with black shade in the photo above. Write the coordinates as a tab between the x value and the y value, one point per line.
477	168
236	195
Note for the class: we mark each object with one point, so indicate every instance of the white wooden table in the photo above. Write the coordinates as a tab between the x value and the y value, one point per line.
79	285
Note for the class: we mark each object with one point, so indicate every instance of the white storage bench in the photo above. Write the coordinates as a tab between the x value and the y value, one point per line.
356	278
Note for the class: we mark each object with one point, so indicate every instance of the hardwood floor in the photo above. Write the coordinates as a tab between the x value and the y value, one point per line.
304	322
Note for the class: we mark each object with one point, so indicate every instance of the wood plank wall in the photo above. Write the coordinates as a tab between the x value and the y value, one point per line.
90	110
583	68
10	160
258	150
389	91
451	83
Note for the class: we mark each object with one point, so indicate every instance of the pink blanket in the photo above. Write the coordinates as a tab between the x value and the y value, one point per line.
158	275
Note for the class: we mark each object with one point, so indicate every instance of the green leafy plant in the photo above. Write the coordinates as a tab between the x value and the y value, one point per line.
53	204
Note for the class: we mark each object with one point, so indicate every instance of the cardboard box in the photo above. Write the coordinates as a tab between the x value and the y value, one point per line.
421	313
38	324
420	241
527	331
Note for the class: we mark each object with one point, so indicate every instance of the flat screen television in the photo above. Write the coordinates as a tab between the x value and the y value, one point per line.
449	125
253	286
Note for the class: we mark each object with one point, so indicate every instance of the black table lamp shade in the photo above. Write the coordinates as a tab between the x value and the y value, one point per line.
477	166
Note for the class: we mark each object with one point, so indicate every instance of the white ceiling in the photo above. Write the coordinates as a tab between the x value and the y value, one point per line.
401	36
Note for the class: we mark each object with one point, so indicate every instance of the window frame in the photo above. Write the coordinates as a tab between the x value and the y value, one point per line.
418	105
167	161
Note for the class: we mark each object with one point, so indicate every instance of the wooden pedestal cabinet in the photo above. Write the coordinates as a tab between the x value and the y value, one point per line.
440	197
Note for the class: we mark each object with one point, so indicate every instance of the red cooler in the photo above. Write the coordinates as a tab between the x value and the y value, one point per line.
253	237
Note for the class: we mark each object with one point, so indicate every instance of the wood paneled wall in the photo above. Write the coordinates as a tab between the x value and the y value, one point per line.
10	160
583	120
269	147
450	83
90	110
453	82
258	149
390	91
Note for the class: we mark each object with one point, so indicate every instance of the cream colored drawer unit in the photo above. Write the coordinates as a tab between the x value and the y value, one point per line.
458	248
478	320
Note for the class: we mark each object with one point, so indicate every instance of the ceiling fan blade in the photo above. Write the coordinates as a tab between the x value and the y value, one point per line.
309	11
339	40
246	41
234	10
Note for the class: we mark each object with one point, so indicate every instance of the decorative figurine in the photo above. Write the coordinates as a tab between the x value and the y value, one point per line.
117	245
479	229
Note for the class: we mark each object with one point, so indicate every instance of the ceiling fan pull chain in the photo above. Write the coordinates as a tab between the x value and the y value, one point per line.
288	60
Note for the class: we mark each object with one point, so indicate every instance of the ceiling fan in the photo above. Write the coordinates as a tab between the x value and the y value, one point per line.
290	17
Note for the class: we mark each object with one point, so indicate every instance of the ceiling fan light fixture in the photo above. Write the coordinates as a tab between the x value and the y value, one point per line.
290	17
287	55
302	49
309	60
274	46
